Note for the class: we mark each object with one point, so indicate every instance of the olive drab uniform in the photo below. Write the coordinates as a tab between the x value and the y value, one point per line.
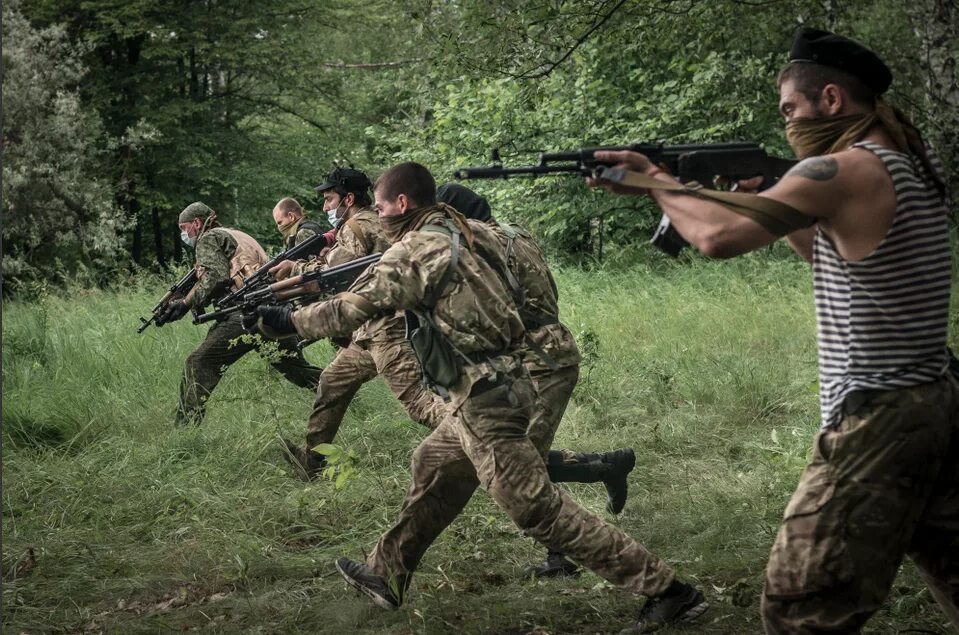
305	229
224	257
378	347
484	442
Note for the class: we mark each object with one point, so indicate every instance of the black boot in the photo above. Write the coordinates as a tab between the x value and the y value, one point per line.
611	468
680	603
555	566
387	594
306	463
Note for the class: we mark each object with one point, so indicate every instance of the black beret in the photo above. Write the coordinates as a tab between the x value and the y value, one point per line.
829	49
347	178
465	201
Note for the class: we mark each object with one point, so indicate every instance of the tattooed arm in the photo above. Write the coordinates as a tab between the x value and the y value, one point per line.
850	193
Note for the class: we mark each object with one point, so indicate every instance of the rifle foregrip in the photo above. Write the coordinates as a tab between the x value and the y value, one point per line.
216	315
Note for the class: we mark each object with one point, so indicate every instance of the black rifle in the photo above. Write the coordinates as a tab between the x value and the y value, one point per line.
309	247
704	163
304	288
179	289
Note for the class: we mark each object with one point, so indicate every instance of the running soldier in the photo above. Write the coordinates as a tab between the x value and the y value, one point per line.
224	256
469	336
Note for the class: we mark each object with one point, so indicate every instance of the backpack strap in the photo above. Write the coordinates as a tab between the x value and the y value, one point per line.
357	229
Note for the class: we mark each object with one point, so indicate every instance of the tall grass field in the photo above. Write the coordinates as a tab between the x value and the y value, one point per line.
115	521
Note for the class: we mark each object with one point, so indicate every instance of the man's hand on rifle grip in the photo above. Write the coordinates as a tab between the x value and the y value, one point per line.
282	270
272	320
173	312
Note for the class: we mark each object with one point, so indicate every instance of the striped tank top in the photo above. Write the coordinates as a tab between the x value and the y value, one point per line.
882	321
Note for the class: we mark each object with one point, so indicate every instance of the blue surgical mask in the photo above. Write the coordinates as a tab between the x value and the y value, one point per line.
332	218
187	240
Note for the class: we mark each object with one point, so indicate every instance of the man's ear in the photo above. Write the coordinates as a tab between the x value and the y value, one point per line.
832	100
349	200
403	200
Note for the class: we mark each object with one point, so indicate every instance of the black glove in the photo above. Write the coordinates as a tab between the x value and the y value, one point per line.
249	321
173	312
277	318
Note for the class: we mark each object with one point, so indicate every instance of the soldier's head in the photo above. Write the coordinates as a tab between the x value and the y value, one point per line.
404	187
829	75
287	213
194	220
343	190
465	201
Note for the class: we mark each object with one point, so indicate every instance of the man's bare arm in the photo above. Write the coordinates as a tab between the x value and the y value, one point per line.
801	242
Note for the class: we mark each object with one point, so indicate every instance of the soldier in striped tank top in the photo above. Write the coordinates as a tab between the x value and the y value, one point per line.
883	482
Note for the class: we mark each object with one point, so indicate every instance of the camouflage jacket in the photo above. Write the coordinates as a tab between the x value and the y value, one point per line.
540	299
361	234
475	311
222	261
306	229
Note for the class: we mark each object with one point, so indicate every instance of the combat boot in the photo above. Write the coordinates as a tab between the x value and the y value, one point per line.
306	463
611	468
387	594
680	603
556	565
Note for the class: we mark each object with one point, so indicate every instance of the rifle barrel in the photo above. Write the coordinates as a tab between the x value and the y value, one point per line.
497	172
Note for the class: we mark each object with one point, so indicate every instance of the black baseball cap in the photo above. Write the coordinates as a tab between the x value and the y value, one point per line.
345	178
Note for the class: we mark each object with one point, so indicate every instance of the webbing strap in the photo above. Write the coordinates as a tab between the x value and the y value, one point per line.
455	233
357	229
774	216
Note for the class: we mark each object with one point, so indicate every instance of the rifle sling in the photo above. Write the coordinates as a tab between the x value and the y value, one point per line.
774	216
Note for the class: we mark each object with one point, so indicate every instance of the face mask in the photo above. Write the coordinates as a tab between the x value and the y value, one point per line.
332	217
187	240
289	229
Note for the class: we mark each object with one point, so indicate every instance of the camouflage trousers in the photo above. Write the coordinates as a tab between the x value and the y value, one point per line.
485	443
882	484
355	365
553	391
205	366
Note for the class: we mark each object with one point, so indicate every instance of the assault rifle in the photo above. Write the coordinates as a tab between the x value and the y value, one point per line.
304	288
179	289
309	247
708	164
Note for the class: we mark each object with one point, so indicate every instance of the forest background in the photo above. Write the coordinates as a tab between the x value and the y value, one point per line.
118	113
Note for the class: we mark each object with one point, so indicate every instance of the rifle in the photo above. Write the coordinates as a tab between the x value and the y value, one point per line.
180	288
704	163
309	247
304	289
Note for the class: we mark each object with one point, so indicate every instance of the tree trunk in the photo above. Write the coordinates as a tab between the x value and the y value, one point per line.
158	236
936	23
136	251
177	245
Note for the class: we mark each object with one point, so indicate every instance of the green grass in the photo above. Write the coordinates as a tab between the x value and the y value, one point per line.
708	370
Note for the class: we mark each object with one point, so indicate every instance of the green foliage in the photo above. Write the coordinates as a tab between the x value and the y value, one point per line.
57	206
239	104
115	521
341	464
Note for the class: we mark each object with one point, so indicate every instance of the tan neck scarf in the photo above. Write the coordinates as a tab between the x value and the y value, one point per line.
826	135
289	230
396	227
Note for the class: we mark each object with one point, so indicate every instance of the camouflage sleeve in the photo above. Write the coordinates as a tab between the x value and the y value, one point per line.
397	281
303	234
348	247
213	252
